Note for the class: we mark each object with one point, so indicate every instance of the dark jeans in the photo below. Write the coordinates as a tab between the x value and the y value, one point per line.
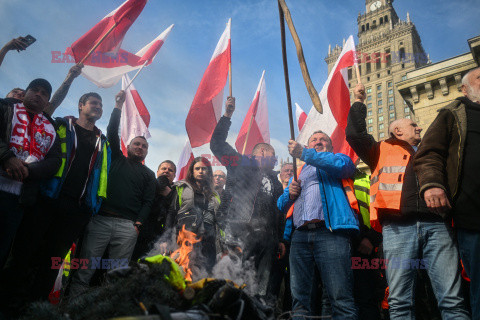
469	245
11	214
45	234
365	291
331	252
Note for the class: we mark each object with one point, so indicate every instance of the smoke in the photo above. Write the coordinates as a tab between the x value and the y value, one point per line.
232	268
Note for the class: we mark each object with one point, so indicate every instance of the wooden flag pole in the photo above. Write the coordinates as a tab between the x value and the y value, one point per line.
230	64
99	42
357	72
287	83
248	133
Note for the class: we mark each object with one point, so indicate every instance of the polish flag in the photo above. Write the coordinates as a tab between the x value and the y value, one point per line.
135	116
206	108
106	70
256	119
335	97
124	16
301	116
186	158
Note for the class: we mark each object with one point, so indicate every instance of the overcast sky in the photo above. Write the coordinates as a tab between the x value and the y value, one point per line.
168	85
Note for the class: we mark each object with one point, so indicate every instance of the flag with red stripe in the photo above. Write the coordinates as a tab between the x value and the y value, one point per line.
106	70
135	117
335	97
301	116
206	108
124	16
256	120
186	158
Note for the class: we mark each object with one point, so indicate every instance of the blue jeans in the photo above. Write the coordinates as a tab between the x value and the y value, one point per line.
331	252
469	246
403	245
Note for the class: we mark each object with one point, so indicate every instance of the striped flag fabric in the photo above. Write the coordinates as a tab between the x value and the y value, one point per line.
256	119
135	117
301	116
106	70
124	16
206	108
186	158
335	97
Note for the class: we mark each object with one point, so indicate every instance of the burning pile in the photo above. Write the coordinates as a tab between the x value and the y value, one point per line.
185	240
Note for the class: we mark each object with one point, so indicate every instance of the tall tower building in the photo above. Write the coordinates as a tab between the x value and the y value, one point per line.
387	49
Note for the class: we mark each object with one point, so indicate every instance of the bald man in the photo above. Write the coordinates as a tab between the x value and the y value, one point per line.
413	236
448	168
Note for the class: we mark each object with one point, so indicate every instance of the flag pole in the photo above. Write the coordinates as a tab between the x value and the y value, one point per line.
230	64
136	74
287	84
248	133
357	72
99	42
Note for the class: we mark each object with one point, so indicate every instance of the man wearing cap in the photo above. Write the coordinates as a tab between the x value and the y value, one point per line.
29	152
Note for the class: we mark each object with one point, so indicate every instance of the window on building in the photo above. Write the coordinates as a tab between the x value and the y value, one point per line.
390	99
349	73
381	20
369	112
402	53
392	115
368	26
390	84
369	105
370	120
370	129
378	62
369	90
379	87
404	77
388	71
404	102
369	98
381	135
386	19
391	107
378	75
407	116
380	110
390	92
403	65
368	66
406	110
380	118
379	95
388	58
363	28
380	126
379	102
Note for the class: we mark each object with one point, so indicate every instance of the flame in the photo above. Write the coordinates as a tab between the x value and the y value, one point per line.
185	241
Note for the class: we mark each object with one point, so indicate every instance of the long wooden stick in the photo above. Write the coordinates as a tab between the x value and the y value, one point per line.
248	133
301	59
357	72
100	41
136	74
287	84
230	77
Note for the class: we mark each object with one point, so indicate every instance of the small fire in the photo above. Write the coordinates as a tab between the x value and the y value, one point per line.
185	241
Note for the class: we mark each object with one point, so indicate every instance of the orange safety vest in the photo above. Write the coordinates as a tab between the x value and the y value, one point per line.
347	187
387	181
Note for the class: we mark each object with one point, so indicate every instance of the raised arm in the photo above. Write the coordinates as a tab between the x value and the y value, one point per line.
14	44
114	124
218	144
62	91
356	133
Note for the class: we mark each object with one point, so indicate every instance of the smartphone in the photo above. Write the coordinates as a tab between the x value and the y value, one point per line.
28	40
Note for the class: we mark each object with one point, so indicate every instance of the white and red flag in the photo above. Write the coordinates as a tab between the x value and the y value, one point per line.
106	70
206	108
301	116
335	97
186	158
135	116
256	119
124	16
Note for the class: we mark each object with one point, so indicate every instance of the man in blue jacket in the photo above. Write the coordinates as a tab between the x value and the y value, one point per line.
322	221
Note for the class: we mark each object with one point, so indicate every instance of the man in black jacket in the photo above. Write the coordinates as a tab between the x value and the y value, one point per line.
28	153
130	194
413	237
251	220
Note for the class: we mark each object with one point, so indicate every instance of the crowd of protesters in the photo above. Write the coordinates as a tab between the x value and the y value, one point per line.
335	241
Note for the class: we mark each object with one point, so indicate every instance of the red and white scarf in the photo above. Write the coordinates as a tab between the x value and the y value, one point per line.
31	139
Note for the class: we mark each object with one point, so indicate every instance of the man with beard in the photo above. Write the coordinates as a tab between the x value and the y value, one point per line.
448	167
130	195
155	224
219	179
250	218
